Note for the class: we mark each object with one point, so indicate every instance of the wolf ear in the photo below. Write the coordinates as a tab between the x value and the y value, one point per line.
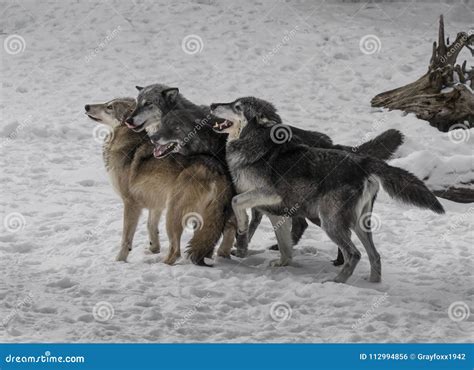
264	121
139	88
170	94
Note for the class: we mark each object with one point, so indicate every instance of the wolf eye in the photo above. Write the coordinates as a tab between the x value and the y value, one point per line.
109	107
147	104
238	107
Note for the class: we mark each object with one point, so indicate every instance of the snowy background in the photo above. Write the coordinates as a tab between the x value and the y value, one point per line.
61	221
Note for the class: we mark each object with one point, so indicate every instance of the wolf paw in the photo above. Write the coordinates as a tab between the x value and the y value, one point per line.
375	278
241	253
337	279
279	263
170	260
223	254
154	247
122	256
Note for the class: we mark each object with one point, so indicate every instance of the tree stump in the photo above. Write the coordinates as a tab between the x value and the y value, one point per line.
443	96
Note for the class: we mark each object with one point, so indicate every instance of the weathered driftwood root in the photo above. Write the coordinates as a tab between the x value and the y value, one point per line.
460	195
427	97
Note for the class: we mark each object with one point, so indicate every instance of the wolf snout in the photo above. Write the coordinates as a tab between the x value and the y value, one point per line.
87	107
213	106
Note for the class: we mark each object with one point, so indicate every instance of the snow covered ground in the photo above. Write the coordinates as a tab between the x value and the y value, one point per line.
61	220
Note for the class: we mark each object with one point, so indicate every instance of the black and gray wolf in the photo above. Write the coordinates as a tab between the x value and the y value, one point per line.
196	193
334	186
381	147
156	101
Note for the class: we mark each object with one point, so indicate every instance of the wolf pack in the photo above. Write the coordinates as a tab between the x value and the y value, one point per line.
210	166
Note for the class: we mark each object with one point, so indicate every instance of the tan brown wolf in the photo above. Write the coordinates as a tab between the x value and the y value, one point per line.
196	192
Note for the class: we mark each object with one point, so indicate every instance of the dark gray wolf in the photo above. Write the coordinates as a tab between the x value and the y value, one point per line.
196	193
334	186
156	101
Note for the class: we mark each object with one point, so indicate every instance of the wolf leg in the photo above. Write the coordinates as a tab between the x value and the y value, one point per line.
131	215
251	199
153	233
341	235
364	233
241	245
254	222
298	227
227	239
174	229
282	227
340	258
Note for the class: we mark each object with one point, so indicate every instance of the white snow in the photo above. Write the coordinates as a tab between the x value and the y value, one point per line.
59	279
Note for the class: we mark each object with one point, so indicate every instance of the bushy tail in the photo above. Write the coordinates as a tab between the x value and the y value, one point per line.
207	210
383	146
206	235
403	185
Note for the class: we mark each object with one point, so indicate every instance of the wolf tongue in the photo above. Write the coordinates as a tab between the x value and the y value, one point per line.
158	151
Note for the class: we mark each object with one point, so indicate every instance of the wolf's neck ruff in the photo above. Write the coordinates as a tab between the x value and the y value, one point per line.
121	148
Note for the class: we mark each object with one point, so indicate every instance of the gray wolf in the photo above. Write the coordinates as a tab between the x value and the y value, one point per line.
156	101
195	193
334	186
381	147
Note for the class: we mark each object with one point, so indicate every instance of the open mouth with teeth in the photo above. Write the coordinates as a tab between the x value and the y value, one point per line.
161	151
221	126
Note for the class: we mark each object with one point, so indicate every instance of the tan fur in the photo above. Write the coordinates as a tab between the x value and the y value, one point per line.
173	183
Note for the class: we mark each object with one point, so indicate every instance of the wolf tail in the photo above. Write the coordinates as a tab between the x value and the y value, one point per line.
403	185
206	211
383	146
